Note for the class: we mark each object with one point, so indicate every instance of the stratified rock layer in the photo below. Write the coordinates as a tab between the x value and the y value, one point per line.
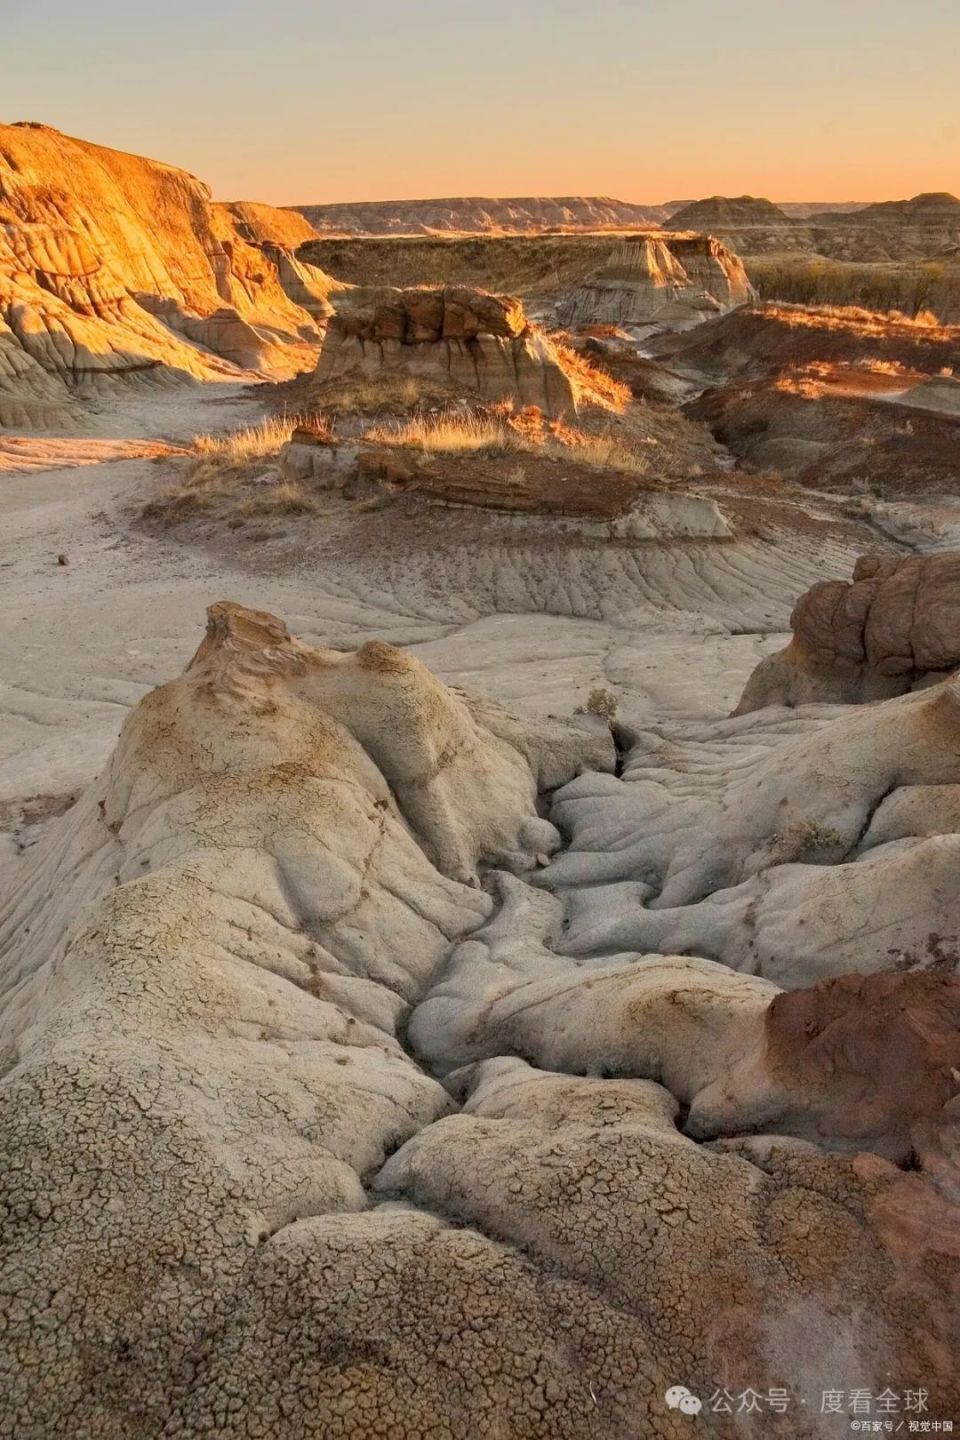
669	283
116	267
475	341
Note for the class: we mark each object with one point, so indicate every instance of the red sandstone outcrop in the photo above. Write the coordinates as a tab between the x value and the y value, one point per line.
893	628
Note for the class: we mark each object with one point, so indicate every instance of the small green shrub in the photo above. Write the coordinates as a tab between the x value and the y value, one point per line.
600	702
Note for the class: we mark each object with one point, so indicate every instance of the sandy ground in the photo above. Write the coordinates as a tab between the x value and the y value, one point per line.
673	630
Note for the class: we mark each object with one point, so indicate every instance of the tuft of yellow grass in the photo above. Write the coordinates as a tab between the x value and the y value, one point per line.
285	498
251	442
596	386
455	432
217	455
219	465
449	433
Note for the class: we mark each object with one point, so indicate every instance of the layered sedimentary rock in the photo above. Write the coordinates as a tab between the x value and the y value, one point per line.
607	503
545	270
525	214
927	227
476	341
894	627
647	281
724	212
116	267
207	971
261	224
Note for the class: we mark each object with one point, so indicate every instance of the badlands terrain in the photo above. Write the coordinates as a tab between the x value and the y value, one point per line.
480	799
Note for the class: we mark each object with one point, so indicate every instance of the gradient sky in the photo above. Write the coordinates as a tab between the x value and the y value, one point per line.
298	101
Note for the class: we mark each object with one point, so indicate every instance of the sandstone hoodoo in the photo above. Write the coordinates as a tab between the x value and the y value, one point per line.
475	341
113	267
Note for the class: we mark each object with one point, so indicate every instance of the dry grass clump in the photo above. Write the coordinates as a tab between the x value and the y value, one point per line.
451	432
288	497
594	385
500	430
809	841
221	465
235	450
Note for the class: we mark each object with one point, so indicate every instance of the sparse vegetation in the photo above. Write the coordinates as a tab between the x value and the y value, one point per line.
284	498
220	464
451	432
594	384
927	293
501	431
807	839
600	702
236	448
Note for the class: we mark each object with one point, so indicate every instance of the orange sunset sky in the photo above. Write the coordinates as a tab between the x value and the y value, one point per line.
648	100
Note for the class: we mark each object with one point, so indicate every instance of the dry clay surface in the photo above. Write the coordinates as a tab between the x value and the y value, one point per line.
243	1203
532	615
209	968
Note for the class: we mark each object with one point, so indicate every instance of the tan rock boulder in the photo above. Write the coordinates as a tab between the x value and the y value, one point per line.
894	627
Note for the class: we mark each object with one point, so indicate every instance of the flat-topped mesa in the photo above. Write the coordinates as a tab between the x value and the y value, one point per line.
113	266
476	341
522	214
669	282
894	627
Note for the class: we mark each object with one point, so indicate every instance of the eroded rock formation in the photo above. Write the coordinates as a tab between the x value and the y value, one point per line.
116	267
201	1016
797	845
476	341
207	973
894	627
523	214
669	283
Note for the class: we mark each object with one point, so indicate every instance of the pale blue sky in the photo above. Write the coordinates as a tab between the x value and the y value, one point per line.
292	101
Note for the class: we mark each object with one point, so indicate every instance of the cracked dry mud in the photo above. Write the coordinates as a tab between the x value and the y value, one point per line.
238	1198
